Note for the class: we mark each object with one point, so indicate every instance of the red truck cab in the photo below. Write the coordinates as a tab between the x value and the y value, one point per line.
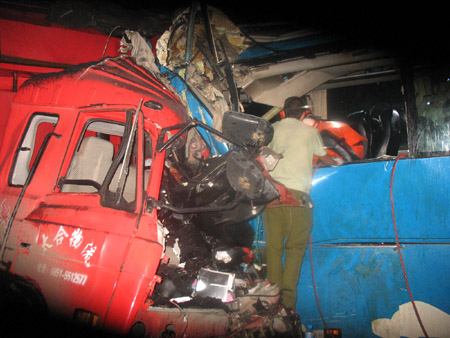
88	249
81	170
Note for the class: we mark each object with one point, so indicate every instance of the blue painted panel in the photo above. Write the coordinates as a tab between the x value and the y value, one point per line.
358	275
196	110
352	202
356	286
285	45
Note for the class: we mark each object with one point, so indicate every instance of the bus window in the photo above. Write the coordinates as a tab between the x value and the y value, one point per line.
432	92
376	111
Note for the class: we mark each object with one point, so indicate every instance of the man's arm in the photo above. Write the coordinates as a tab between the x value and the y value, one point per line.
333	161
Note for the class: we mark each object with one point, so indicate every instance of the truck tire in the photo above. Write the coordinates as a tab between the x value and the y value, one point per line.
22	305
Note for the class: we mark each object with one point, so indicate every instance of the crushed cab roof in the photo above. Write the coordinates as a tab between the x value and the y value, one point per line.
112	80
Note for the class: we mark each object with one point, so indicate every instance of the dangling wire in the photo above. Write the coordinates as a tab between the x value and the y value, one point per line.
312	265
314	284
399	248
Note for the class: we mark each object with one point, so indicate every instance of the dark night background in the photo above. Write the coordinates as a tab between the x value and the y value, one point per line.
406	30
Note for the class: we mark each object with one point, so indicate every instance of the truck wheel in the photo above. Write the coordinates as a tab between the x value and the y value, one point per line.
21	304
137	330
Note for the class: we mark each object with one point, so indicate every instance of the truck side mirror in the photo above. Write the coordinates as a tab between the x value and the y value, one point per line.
247	129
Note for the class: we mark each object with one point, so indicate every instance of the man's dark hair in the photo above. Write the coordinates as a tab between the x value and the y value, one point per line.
295	106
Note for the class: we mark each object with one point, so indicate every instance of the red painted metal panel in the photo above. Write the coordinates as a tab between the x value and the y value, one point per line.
5	106
61	273
186	322
112	81
46	45
25	70
132	289
80	254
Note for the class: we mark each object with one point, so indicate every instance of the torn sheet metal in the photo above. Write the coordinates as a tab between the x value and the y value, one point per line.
252	306
140	50
202	102
204	70
197	107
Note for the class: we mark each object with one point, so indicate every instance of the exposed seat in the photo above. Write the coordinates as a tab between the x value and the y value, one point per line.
91	162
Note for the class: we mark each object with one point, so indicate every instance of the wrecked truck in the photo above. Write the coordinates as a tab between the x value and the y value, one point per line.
115	213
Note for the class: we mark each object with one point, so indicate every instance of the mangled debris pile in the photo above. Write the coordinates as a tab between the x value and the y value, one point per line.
202	51
207	262
252	304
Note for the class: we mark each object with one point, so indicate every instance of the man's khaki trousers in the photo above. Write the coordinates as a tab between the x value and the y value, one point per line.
287	230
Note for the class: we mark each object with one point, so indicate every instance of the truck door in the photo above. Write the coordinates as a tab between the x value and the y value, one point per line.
17	170
86	227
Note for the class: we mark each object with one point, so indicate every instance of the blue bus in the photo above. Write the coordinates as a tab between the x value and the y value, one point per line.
378	261
377	264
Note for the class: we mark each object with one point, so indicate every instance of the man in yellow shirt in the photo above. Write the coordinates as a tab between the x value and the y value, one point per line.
288	225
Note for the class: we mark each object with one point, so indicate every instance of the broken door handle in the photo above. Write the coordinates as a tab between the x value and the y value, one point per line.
25	245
